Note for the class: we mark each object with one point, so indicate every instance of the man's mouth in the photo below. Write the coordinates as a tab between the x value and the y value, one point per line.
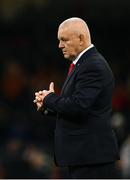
64	52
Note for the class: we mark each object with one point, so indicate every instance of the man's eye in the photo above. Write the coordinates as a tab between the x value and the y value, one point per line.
65	40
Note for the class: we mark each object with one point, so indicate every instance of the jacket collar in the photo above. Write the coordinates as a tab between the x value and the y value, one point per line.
87	54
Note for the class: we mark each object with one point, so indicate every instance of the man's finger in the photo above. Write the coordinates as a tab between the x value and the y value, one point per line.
38	99
35	101
40	92
51	86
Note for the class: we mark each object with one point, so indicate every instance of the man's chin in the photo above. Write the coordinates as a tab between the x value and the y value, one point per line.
66	56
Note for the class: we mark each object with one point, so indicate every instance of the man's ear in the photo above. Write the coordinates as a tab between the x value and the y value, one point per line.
81	37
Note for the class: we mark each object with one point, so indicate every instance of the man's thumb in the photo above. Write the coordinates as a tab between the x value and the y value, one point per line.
51	87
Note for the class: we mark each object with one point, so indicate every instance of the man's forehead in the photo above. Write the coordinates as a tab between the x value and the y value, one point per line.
64	32
68	29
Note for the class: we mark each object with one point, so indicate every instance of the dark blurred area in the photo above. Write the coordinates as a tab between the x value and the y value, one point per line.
30	60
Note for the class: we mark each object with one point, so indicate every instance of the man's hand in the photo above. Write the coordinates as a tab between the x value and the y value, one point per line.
39	96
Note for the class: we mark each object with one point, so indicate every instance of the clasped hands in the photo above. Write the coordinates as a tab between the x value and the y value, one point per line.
39	96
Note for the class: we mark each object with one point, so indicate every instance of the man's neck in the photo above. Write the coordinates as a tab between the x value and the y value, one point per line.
78	57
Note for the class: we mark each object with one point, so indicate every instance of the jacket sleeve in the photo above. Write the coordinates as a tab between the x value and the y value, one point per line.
88	85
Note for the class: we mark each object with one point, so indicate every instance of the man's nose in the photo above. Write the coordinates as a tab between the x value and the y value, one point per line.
61	45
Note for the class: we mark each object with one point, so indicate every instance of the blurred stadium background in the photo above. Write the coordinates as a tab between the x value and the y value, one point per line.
30	59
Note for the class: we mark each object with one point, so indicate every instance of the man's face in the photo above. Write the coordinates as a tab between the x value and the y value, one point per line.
69	43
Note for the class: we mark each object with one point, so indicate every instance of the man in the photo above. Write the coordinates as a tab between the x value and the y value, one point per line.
84	140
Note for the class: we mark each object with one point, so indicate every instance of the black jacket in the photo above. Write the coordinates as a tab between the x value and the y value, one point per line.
83	133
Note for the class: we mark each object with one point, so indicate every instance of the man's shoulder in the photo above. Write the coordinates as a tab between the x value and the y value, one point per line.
93	61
